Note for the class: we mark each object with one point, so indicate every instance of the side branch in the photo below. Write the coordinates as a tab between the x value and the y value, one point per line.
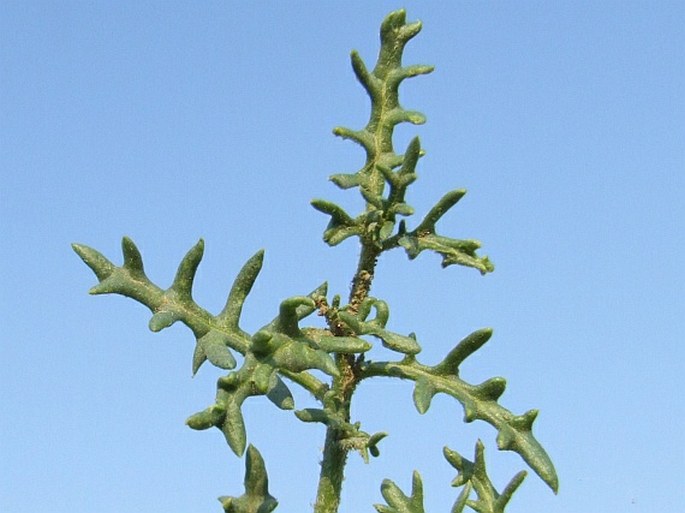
479	403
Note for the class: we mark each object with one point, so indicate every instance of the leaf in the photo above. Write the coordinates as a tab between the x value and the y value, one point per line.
313	415
465	348
346	345
102	267
298	355
214	345
372	443
474	475
256	498
211	417
233	426
453	251
341	225
370	82
461	501
183	282
199	357
396	342
280	395
133	261
423	394
375	327
163	319
288	315
397	501
479	402
242	285
168	306
282	345
514	432
382	86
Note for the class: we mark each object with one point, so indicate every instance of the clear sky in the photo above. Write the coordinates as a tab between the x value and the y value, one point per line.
171	121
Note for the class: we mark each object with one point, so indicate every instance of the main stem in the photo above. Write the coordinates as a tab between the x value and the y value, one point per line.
334	454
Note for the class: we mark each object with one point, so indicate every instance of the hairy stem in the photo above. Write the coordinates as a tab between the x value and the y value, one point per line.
334	454
382	85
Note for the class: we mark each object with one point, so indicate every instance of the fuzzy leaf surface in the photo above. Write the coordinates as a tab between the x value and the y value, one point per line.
256	498
397	501
480	402
473	475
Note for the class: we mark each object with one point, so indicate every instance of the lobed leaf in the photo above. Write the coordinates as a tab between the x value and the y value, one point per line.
465	348
376	327
479	401
183	282
242	285
102	267
256	498
214	345
397	501
473	475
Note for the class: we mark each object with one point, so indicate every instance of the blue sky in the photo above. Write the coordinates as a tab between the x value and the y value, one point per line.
171	121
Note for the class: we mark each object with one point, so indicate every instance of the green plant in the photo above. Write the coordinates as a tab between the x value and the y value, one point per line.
284	351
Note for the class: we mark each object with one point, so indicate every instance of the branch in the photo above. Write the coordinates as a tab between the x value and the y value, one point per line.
479	401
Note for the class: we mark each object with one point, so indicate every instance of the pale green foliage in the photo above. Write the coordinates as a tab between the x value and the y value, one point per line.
283	352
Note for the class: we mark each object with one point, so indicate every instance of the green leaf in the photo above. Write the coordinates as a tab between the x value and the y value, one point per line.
440	209
453	251
479	402
254	378
288	316
312	415
183	282
423	394
233	426
256	498
199	357
242	285
397	501
102	267
279	394
297	355
370	82
346	345
375	327
462	500
364	138
465	348
372	443
214	345
341	225
133	261
170	306
474	475
163	319
211	417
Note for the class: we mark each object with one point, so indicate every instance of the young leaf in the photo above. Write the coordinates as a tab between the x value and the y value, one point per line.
242	285
474	474
183	282
397	501
256	498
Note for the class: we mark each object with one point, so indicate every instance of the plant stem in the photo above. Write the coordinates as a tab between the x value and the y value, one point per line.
334	454
361	283
332	474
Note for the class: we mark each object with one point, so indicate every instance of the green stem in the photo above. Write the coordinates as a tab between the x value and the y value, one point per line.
332	474
334	454
361	283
